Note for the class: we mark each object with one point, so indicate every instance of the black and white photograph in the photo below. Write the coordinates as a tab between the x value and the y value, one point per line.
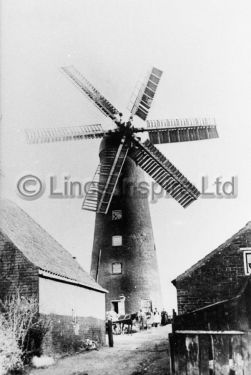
125	206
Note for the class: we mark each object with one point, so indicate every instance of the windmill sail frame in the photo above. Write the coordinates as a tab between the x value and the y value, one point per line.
146	155
151	160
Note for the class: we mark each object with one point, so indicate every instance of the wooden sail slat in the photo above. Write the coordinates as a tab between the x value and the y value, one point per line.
90	91
150	159
74	133
144	98
159	135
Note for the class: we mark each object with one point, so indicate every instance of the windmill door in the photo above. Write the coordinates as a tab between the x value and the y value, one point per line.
118	306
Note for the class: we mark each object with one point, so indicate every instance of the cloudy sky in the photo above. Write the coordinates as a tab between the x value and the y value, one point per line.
204	50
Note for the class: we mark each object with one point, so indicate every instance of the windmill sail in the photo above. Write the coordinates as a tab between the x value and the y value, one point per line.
151	160
146	94
89	90
73	133
99	196
181	130
148	157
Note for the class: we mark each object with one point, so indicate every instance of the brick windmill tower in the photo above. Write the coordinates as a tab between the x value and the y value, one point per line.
124	256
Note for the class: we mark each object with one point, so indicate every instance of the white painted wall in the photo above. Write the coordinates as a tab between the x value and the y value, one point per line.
59	298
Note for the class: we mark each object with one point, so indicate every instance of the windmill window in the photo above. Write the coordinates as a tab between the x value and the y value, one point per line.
116	215
116	268
116	240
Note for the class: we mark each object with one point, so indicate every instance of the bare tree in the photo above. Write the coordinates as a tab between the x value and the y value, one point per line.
20	315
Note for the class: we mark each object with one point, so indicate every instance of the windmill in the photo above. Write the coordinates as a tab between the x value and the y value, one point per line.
124	255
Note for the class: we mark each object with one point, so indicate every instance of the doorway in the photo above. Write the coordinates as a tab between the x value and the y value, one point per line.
118	306
115	306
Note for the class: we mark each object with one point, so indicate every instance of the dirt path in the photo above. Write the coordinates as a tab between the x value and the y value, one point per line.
141	353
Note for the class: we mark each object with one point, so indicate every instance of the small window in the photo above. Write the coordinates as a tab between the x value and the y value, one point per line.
116	240
116	268
116	215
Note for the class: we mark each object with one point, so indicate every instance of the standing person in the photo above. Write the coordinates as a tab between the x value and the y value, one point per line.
142	319
164	317
149	319
109	329
156	318
110	333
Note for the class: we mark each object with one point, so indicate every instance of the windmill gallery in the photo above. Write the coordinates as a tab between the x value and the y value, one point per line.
124	258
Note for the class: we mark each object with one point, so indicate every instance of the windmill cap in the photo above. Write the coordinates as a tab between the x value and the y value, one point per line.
110	140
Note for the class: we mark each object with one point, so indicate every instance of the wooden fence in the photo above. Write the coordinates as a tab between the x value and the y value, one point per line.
210	352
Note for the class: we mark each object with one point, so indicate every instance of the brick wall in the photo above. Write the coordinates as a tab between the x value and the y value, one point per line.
219	276
67	336
16	272
76	313
139	279
67	331
233	314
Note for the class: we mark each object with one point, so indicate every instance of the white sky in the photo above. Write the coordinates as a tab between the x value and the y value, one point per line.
205	52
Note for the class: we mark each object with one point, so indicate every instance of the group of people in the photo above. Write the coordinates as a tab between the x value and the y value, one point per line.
142	320
152	318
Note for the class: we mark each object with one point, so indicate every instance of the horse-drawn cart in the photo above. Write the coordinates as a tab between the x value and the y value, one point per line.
124	323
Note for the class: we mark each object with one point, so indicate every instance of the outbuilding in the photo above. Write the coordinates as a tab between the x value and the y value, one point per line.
218	276
35	264
212	331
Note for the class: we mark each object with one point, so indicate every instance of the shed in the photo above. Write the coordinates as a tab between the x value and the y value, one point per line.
218	276
34	263
211	334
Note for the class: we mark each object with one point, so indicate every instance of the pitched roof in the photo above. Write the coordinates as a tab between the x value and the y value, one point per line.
39	247
218	250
